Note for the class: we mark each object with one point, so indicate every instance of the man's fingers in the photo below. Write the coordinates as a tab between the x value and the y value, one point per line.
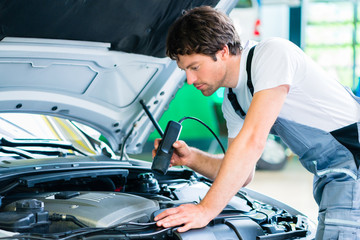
173	220
179	144
171	217
176	144
185	228
166	213
185	216
174	217
156	143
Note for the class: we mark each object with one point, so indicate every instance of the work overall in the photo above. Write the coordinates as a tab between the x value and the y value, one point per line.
333	158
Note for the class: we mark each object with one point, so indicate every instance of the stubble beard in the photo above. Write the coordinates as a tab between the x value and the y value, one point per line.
211	88
209	91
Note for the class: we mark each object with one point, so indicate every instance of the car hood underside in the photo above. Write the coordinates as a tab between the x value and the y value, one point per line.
92	61
129	26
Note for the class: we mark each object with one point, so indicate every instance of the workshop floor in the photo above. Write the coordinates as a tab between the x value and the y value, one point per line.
292	186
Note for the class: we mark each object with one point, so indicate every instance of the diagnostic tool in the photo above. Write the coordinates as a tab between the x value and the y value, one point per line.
165	150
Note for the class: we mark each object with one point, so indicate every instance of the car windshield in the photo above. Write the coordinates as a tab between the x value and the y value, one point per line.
44	135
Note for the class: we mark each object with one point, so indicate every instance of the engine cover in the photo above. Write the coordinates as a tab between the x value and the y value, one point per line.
97	209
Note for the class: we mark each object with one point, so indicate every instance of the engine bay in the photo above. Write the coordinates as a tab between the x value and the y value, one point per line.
125	206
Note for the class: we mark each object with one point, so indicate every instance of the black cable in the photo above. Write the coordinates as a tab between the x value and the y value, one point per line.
150	235
98	230
9	187
71	218
159	234
123	143
25	237
196	119
86	231
230	225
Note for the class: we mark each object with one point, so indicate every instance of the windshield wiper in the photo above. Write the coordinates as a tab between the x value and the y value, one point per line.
17	151
39	143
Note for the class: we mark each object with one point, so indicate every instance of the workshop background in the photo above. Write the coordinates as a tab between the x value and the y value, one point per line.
325	30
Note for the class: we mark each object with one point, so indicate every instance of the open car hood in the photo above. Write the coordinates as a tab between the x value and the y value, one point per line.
92	61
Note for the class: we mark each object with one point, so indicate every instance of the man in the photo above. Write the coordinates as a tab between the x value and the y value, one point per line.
283	92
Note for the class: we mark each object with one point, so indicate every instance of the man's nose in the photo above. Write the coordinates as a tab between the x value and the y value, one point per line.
190	77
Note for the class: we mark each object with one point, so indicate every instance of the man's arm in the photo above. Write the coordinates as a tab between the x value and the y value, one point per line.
205	163
251	175
202	162
237	165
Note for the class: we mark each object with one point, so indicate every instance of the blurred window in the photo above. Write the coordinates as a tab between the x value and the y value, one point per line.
331	40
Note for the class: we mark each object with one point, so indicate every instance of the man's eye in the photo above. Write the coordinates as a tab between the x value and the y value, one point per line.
195	68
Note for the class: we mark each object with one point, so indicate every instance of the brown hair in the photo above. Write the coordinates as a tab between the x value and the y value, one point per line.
202	30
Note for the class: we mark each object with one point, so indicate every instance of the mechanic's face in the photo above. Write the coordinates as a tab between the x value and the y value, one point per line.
201	70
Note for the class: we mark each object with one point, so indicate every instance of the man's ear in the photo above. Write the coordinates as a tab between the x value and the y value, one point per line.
224	53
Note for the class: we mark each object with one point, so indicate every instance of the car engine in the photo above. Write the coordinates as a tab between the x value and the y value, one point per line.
79	210
95	209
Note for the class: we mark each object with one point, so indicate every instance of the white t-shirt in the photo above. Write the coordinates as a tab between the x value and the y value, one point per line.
315	98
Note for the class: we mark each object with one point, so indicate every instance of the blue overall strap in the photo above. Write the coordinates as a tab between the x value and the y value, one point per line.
235	104
231	95
248	70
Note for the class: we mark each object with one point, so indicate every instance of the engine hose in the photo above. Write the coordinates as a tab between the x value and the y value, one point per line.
71	218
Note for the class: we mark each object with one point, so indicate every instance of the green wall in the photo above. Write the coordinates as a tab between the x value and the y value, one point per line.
189	102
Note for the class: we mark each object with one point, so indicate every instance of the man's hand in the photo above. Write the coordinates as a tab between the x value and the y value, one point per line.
181	154
204	163
189	215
